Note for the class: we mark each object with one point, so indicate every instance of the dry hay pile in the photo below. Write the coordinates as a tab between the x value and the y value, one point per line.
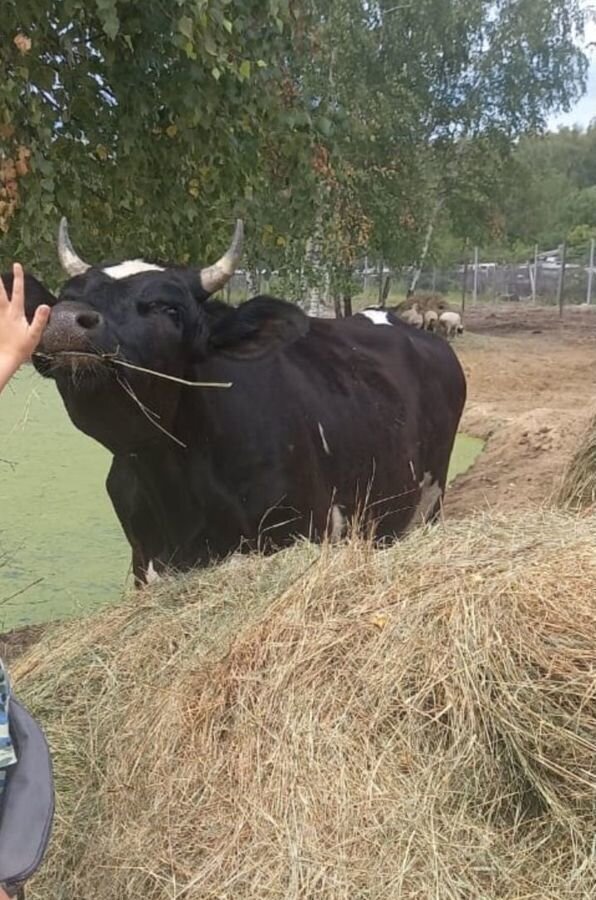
578	486
425	301
417	722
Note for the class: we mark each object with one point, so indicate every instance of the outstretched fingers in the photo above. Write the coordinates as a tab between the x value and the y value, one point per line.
18	291
40	320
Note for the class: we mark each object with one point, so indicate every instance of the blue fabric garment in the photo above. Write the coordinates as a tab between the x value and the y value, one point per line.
7	754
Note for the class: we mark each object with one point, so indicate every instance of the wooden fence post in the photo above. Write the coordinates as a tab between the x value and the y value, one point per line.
464	286
561	287
380	285
475	288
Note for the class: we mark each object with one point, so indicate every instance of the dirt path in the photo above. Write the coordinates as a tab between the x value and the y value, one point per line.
531	391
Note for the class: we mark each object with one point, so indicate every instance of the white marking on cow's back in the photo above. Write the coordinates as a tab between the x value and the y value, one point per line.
338	524
151	575
430	493
376	316
131	267
324	440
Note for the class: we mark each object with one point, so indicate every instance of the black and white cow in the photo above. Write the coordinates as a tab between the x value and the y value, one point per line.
324	421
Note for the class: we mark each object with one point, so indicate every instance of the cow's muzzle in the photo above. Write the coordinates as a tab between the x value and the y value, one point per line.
73	327
74	339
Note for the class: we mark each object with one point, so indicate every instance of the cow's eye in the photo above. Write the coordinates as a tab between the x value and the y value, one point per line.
173	313
158	307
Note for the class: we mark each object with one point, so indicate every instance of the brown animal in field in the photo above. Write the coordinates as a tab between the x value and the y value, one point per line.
425	302
413	316
450	324
431	320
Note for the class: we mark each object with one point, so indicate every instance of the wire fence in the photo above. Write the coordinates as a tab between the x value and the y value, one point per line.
514	283
546	280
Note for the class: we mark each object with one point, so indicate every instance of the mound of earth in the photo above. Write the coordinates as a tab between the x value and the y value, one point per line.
522	463
531	394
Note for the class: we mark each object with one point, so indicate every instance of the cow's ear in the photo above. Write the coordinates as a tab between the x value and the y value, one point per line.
257	327
36	293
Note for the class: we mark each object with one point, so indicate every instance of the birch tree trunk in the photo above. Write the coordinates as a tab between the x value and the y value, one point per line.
315	276
427	242
313	292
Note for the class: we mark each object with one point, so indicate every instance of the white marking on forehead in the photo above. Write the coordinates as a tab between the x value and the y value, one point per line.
324	440
430	493
131	267
376	316
338	524
151	575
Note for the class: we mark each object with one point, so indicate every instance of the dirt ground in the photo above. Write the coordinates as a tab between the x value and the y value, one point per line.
531	392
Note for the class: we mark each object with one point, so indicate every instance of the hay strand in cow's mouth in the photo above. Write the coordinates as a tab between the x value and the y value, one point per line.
112	358
148	413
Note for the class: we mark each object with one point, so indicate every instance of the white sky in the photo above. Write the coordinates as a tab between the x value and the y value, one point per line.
585	110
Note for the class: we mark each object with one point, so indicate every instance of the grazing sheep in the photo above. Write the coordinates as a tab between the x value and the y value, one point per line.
450	324
412	316
431	320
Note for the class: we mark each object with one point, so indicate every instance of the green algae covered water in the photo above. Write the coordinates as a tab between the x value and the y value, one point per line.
62	551
61	547
465	452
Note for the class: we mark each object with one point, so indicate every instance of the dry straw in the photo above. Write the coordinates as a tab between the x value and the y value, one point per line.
418	722
578	486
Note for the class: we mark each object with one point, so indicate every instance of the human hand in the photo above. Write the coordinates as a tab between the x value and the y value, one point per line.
18	338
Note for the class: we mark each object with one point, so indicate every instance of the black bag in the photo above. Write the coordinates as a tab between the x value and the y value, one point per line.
26	804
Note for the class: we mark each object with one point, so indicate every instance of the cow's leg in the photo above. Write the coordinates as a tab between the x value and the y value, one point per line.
136	519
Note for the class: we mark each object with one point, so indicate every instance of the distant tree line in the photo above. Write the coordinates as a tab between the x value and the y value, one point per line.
403	132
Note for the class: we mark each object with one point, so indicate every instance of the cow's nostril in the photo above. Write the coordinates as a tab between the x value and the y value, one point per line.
88	320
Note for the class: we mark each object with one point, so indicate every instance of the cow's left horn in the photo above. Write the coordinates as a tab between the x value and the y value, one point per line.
214	277
70	261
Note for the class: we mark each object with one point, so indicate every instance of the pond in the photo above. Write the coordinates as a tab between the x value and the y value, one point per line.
466	449
61	547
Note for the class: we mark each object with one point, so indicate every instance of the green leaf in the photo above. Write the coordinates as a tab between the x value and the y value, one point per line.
185	27
244	69
325	126
111	25
209	45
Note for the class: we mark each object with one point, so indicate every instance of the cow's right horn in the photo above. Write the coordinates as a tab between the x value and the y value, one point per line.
70	261
214	277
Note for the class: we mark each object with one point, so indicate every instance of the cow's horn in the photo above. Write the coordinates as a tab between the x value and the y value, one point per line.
71	263
214	277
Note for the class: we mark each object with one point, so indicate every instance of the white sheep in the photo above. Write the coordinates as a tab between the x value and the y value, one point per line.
413	316
450	324
431	320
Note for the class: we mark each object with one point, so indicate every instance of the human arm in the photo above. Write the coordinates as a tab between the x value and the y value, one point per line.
18	337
